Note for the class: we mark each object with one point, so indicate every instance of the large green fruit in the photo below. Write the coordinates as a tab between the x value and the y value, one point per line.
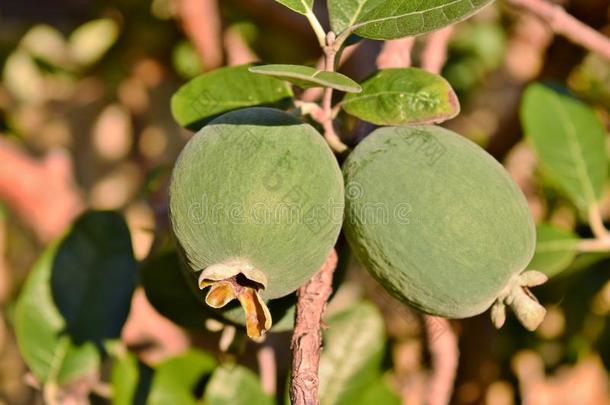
440	224
256	202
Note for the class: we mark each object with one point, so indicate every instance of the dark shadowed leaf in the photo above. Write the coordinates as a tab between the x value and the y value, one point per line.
223	90
402	97
93	277
51	356
307	77
555	249
381	19
176	379
167	291
569	139
235	385
353	350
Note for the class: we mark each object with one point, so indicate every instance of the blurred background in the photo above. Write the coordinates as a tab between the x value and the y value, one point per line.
85	123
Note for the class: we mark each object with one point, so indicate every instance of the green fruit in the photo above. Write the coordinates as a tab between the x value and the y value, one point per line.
256	202
440	224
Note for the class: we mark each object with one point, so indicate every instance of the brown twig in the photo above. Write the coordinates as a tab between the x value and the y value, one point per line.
434	55
201	24
307	337
396	53
444	352
564	24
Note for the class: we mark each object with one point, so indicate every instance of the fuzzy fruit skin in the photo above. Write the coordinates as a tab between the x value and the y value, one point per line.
243	166
457	229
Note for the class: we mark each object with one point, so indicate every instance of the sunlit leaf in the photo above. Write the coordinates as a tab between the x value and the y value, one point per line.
381	19
51	355
379	392
46	43
186	60
176	379
23	78
307	77
353	350
235	385
223	90
555	249
299	6
124	375
569	139
91	41
403	96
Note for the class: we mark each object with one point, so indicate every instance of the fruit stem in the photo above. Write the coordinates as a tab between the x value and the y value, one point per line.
330	55
317	27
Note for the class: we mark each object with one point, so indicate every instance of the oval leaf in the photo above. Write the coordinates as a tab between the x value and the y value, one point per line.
402	97
353	351
93	277
51	356
89	42
299	6
569	139
380	19
555	249
235	385
124	375
168	292
176	379
223	90
306	77
379	392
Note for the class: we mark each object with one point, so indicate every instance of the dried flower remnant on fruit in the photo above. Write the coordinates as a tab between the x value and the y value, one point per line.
236	279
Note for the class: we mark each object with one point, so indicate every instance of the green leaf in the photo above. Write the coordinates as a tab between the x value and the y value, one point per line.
23	78
299	6
124	375
555	249
168	292
94	276
89	42
306	77
353	350
402	97
379	392
569	139
176	379
235	385
223	90
51	356
46	43
381	19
